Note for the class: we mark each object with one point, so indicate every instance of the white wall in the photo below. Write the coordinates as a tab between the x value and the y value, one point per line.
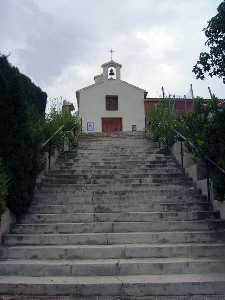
130	105
192	170
7	220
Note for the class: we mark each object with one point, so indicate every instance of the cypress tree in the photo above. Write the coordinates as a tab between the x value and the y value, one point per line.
19	100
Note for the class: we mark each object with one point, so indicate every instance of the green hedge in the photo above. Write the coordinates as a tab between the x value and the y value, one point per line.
22	106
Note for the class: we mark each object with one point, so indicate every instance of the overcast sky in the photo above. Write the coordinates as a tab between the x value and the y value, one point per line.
61	44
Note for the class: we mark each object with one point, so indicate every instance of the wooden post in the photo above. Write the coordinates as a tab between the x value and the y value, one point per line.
192	92
185	103
163	92
210	92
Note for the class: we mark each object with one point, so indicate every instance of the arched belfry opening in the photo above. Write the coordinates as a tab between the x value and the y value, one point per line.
111	70
111	73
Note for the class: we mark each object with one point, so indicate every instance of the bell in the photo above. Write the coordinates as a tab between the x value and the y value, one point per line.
111	72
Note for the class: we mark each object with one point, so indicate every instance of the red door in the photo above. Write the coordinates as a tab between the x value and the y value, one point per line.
111	124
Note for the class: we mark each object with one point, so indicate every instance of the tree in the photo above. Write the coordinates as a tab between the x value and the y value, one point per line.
21	104
213	61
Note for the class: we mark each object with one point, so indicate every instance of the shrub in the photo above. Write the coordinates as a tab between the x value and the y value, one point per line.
55	119
21	106
204	127
162	121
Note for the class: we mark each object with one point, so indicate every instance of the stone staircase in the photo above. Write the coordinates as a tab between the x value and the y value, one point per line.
116	220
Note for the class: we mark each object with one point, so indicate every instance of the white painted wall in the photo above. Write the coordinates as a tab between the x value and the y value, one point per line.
7	220
191	169
92	105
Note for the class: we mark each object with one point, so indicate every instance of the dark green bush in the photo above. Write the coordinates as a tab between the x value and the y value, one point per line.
204	127
22	105
55	118
162	121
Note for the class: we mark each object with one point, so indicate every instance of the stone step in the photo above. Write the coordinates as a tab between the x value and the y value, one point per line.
126	182
116	156
142	187
145	165
111	267
163	190
121	165
136	286
117	167
118	201
171	203
128	174
117	217
88	208
107	227
118	196
120	251
73	167
107	156
116	172
170	179
183	297
128	196
119	149
121	160
116	238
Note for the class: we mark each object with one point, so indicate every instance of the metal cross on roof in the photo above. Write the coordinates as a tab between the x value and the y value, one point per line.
111	51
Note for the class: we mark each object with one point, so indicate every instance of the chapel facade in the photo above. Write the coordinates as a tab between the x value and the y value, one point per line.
111	104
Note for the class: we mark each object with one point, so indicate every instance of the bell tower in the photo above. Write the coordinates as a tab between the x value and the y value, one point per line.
111	69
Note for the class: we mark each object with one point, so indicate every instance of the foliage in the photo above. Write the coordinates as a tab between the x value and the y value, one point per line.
57	118
213	61
54	119
3	189
22	104
201	125
204	127
192	124
162	121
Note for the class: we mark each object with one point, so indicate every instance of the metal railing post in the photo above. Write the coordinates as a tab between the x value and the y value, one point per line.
49	156
208	181
182	154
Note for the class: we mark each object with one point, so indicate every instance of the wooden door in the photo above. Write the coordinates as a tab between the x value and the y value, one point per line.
111	124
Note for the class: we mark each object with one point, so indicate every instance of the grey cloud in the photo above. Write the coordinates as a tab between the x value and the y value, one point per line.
53	40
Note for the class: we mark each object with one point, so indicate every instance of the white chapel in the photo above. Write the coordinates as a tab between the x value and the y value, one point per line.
111	104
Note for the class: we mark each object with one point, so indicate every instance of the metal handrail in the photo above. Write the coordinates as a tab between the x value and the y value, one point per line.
52	137
49	143
202	156
72	131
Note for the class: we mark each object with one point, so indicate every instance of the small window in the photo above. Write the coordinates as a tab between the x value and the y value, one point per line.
111	102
